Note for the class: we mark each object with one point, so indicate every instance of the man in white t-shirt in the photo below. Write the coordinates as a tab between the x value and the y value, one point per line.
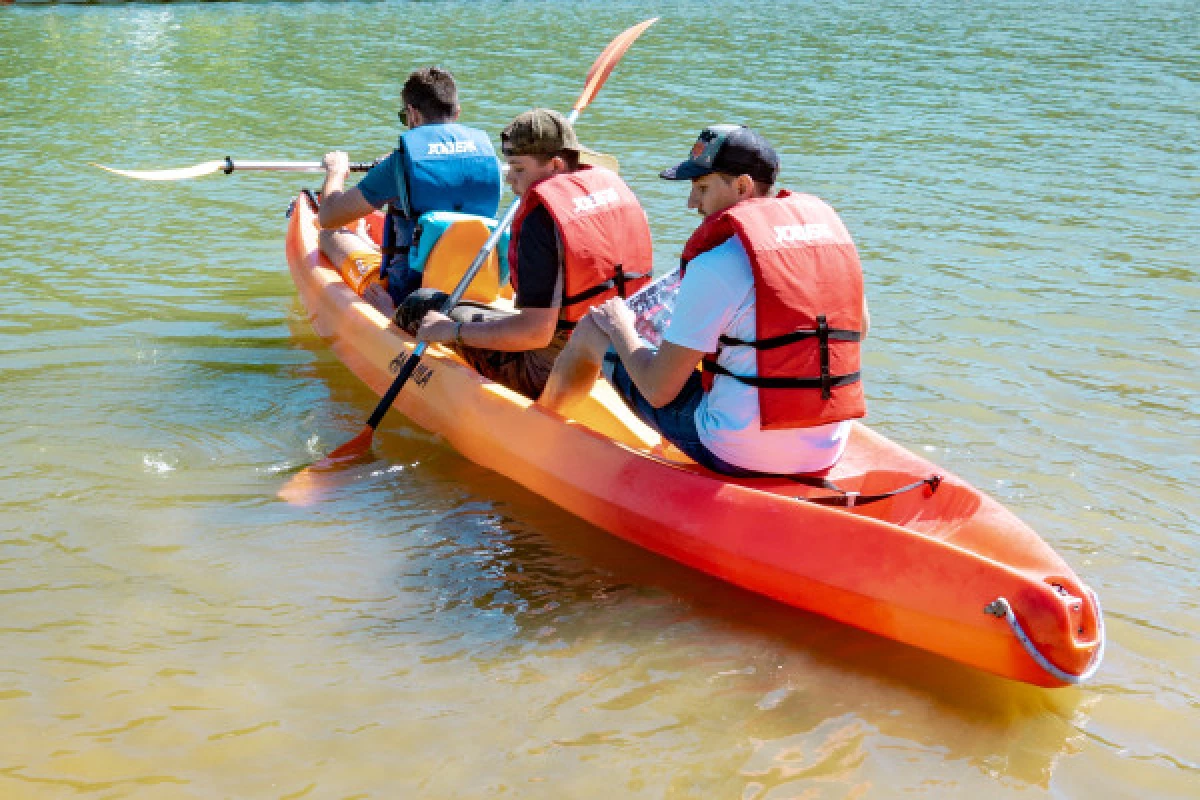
720	422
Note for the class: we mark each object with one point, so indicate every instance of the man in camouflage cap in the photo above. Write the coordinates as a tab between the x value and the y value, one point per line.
579	237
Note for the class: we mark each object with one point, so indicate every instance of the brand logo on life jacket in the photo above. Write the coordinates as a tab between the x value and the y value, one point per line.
451	148
802	233
596	201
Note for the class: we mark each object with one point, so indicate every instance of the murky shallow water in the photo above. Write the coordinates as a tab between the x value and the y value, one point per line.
1021	181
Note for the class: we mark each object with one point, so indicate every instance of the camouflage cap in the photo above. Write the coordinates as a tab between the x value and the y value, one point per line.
540	132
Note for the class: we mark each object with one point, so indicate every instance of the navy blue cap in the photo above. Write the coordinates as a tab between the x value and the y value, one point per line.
731	149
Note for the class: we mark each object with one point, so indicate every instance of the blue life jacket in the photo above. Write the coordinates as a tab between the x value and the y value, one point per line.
446	167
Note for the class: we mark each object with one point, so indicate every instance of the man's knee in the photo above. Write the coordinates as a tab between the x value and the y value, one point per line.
588	341
414	308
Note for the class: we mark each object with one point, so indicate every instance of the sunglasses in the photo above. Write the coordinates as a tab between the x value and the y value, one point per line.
403	115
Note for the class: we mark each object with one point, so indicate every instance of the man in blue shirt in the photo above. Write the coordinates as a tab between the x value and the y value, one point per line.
438	165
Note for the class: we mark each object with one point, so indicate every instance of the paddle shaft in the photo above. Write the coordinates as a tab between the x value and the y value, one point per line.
410	363
286	166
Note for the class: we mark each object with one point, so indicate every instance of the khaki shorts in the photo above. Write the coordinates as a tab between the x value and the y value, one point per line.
525	372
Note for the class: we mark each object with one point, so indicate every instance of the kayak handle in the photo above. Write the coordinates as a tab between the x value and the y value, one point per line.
1001	608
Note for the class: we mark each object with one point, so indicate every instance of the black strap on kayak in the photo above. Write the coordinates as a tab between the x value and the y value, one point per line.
854	499
846	499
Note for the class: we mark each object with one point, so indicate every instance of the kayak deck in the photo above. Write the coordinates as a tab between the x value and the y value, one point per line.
922	567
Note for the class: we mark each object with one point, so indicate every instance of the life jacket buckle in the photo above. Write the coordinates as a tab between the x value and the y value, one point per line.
823	339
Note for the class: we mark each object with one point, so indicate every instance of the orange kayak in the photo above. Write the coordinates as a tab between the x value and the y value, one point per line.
942	567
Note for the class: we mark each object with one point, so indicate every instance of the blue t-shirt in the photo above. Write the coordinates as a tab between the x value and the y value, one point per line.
384	183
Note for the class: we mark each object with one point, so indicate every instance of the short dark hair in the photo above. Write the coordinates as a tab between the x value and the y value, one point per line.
432	91
569	157
761	188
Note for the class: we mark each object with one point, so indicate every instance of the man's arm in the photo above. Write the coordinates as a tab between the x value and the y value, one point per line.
338	206
528	329
659	375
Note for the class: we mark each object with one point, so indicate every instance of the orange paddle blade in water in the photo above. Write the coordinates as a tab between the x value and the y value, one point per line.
306	486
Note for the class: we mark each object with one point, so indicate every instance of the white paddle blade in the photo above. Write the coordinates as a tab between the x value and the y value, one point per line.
207	168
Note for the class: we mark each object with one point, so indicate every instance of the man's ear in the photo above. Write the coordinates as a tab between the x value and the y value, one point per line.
744	185
457	111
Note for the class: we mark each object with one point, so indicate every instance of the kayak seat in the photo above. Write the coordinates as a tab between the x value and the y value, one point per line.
460	240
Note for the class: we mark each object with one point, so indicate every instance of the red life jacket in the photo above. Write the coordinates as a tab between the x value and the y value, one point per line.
604	235
808	290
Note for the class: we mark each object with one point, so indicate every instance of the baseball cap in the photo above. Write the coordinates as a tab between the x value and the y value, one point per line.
732	149
540	132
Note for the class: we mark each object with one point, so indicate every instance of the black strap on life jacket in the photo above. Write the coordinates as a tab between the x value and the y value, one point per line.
834	335
824	335
388	246
824	383
618	282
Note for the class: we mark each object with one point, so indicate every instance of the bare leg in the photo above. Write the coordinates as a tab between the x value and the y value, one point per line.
378	297
576	369
338	244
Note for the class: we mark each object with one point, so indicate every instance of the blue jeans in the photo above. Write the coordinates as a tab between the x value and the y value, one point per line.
402	281
676	421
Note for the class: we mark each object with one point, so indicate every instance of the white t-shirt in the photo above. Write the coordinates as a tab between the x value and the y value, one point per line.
715	298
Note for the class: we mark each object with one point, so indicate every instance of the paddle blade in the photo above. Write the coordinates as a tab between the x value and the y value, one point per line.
600	160
608	59
307	485
207	168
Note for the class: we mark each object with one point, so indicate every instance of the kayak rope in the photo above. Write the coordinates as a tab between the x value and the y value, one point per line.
1001	608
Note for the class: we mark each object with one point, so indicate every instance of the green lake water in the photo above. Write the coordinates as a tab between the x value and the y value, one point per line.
1023	181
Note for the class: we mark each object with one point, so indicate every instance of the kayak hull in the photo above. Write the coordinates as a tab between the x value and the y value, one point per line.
923	567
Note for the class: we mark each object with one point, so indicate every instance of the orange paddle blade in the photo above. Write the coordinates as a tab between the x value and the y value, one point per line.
306	486
608	59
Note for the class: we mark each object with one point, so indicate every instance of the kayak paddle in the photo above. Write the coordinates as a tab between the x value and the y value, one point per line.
227	166
296	490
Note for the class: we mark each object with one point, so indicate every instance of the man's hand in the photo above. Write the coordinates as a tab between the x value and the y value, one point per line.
336	163
437	327
614	317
